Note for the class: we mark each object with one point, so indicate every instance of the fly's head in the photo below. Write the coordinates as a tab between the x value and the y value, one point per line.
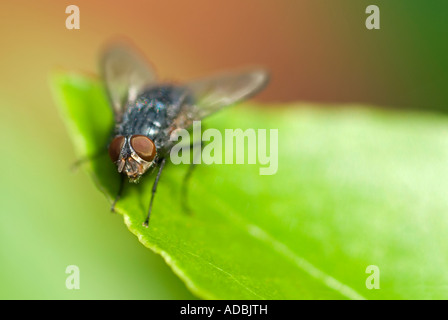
133	155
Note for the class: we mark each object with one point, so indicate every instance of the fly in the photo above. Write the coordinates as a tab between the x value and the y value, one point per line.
147	112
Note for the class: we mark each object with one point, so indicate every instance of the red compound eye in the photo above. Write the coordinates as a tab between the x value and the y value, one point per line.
115	148
143	147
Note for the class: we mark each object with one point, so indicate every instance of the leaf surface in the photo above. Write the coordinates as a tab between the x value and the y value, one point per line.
355	187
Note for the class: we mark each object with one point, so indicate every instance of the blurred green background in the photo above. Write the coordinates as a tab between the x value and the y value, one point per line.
316	50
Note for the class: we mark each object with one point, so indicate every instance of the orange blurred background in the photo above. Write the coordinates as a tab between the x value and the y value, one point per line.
316	50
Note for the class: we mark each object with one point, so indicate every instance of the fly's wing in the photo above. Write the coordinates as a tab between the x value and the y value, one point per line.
211	94
125	73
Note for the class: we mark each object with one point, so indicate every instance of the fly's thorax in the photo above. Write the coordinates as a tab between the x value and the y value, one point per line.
153	112
133	155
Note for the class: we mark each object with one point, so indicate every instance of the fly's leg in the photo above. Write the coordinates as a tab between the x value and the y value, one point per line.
184	190
154	188
119	193
97	154
75	165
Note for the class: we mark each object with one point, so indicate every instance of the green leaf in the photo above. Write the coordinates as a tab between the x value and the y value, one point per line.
354	187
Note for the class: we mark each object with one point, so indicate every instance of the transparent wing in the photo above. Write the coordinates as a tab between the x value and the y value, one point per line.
213	93
125	73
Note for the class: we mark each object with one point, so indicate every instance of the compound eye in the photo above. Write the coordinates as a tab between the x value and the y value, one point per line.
143	147
115	148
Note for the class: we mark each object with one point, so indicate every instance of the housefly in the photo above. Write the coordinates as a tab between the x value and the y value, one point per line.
147	112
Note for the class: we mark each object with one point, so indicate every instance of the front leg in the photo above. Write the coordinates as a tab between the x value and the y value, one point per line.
91	157
154	189
78	163
184	189
119	193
